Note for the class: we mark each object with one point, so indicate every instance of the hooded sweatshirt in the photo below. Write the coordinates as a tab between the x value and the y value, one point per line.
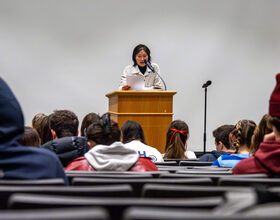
20	162
214	155
115	157
266	160
68	148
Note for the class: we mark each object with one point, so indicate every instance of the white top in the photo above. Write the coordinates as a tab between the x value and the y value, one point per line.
145	150
190	154
151	79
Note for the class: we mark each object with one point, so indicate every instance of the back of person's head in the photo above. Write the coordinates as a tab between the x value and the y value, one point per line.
261	130
64	123
221	134
132	130
176	138
241	134
30	137
37	123
89	119
105	131
45	130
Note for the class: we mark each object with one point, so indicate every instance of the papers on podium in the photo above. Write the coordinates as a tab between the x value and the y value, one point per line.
136	82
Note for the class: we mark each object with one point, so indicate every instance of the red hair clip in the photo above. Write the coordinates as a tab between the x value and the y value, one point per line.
175	131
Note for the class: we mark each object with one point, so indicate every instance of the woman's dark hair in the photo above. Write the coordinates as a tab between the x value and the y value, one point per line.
90	118
30	137
176	137
45	131
242	134
261	130
132	130
105	131
137	49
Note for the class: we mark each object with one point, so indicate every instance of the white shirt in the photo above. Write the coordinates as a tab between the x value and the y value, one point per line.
145	150
151	79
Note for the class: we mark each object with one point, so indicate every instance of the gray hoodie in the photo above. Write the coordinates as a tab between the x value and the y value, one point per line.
115	157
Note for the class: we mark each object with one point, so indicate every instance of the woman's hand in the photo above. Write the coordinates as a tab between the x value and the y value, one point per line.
126	87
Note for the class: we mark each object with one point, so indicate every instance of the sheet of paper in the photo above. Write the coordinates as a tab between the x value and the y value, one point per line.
135	82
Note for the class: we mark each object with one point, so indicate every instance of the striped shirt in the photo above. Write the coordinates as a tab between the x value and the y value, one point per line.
230	160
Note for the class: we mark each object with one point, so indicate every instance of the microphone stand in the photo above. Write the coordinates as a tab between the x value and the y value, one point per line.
161	80
205	85
205	107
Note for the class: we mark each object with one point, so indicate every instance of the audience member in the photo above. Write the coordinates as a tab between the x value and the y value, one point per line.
89	119
133	137
240	141
176	141
66	144
30	137
266	159
109	154
37	122
18	162
261	130
221	135
45	131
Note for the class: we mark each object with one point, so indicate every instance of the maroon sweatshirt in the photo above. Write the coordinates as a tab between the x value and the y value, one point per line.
266	160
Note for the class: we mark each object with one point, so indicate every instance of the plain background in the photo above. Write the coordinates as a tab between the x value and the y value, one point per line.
67	54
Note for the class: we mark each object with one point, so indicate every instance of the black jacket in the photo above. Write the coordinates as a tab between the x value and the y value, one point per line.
214	155
68	148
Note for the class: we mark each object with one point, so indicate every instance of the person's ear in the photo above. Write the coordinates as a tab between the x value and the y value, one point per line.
53	134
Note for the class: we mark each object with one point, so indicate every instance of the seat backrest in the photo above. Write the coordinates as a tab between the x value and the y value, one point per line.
234	181
56	214
39	182
124	190
115	206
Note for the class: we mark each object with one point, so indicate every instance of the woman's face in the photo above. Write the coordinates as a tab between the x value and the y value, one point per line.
140	57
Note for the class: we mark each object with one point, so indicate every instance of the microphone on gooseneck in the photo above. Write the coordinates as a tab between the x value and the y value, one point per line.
149	65
208	83
154	71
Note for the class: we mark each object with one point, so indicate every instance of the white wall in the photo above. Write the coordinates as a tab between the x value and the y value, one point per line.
67	54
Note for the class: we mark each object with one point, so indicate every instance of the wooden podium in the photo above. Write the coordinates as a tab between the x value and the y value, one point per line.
152	109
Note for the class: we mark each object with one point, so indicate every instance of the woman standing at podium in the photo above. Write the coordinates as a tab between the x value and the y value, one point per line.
141	53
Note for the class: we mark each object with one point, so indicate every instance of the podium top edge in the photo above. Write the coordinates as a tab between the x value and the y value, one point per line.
138	92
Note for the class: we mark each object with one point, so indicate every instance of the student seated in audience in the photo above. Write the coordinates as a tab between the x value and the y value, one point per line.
19	162
261	130
221	135
37	123
176	141
109	154
266	159
30	138
66	144
133	137
89	119
240	141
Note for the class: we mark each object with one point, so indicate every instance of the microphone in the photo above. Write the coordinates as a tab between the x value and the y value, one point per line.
149	65
208	83
154	71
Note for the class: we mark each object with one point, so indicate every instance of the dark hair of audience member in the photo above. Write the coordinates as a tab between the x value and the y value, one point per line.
261	130
241	134
45	131
176	138
65	123
221	134
37	121
132	130
137	49
90	118
105	131
30	137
